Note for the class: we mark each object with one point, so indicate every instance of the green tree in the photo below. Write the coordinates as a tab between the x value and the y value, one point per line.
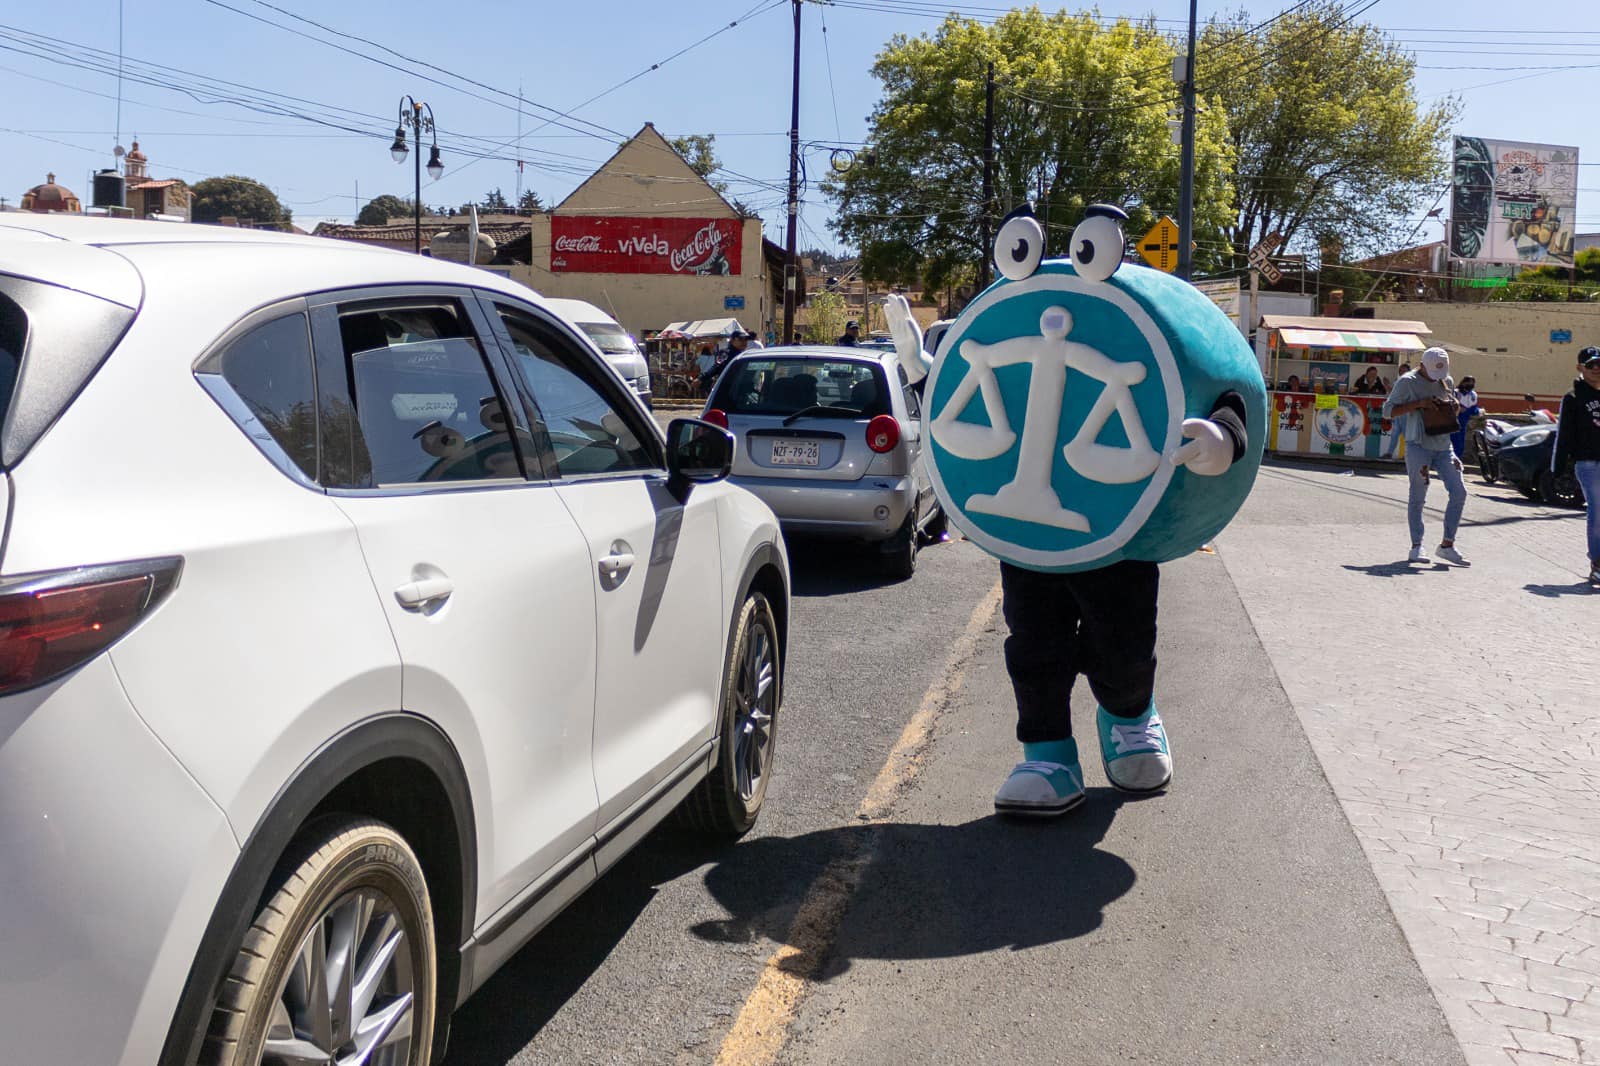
380	209
1081	116
1326	128
1554	283
235	196
825	318
529	203
699	150
494	203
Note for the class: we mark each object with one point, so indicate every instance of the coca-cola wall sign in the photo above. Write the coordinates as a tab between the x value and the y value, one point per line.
587	244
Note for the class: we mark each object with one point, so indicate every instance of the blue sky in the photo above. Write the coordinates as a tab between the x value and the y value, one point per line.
709	78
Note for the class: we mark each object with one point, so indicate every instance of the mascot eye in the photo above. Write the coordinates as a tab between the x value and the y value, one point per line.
1018	247
1097	246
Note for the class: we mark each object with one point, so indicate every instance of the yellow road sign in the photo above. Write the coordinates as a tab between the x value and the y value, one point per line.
1159	247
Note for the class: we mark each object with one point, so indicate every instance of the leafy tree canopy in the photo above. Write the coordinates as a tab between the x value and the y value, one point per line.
826	315
1326	128
494	202
529	203
1081	116
235	196
380	209
699	150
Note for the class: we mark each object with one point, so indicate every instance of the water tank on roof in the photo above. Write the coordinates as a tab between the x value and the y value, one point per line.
109	189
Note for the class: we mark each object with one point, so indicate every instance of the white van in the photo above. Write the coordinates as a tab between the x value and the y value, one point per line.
614	342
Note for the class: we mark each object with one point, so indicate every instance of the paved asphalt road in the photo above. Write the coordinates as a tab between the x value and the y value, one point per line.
1234	920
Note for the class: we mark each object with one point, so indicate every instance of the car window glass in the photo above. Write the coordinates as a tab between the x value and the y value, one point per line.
270	369
425	403
587	433
913	401
843	388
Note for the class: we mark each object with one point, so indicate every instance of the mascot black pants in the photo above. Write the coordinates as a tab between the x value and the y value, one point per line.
1099	623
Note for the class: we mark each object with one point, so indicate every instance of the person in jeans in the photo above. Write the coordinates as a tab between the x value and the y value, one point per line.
1578	440
1429	384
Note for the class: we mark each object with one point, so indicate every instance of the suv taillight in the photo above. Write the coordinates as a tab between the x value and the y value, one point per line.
883	433
56	621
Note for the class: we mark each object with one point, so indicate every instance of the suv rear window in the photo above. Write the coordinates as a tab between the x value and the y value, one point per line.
52	340
839	388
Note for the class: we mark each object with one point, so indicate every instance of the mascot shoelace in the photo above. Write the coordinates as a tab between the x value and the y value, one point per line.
1087	420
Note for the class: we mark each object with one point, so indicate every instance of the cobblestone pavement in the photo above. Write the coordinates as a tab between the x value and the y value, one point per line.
1456	713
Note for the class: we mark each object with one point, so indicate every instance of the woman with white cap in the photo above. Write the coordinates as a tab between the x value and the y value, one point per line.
1429	388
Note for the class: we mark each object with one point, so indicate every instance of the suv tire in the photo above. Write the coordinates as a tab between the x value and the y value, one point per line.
728	801
341	957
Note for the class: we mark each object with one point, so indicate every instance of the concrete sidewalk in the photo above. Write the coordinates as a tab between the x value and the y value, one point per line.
1456	713
1234	919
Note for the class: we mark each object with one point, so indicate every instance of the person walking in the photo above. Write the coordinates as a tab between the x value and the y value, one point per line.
1467	397
1423	406
1578	441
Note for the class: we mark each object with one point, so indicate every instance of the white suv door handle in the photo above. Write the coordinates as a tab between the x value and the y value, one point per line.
614	567
414	595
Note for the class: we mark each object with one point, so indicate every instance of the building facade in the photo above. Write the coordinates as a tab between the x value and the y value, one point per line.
51	197
652	242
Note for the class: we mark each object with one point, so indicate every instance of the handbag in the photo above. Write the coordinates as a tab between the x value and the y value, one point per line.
1440	416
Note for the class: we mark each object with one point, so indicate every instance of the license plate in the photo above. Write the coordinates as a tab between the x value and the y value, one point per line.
796	453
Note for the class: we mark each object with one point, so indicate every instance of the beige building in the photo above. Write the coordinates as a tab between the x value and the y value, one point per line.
1511	348
649	240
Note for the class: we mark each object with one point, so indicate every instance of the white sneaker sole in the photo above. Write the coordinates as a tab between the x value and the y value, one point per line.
1039	810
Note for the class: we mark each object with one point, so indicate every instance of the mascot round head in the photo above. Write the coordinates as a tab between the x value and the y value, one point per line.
1057	402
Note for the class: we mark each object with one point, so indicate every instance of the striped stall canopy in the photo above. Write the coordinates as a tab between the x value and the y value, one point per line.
1363	341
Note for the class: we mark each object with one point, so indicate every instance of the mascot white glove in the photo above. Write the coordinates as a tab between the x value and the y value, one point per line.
1208	451
907	337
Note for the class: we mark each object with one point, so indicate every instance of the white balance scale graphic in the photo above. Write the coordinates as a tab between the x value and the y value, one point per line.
1029	496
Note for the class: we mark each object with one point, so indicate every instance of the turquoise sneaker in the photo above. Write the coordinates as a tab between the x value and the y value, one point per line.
1134	751
1048	781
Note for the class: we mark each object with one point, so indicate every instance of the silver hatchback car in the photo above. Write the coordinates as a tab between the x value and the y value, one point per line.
831	439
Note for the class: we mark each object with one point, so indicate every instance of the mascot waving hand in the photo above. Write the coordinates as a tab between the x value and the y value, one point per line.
1088	420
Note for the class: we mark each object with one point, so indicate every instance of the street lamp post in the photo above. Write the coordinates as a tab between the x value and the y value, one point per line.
419	117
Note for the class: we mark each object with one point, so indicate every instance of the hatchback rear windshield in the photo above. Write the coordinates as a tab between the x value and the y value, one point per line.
609	338
837	388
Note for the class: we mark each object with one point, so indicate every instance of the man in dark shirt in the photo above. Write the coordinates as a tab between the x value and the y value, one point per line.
852	334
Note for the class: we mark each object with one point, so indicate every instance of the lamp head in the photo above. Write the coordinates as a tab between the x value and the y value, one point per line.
435	165
398	149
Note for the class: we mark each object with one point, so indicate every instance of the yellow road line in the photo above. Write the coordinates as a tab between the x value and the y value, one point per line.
759	1031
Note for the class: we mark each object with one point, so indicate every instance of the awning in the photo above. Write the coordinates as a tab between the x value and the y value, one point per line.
1363	341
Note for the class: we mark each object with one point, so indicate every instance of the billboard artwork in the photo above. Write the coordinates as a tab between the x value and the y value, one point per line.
602	244
1513	202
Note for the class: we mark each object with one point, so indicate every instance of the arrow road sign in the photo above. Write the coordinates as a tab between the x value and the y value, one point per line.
1159	247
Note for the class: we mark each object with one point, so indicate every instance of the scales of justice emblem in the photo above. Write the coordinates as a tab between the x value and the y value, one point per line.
1029	496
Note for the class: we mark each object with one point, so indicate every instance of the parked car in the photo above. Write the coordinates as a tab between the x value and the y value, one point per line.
934	334
831	439
353	618
1521	456
614	342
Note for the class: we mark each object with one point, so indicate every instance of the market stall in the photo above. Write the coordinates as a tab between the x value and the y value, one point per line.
678	354
1324	400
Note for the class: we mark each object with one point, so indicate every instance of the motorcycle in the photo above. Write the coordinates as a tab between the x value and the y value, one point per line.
1486	440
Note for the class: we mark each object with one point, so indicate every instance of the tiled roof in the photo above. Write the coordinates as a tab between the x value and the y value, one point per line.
500	231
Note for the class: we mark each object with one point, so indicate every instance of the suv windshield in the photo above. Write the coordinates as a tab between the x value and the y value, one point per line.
826	388
609	337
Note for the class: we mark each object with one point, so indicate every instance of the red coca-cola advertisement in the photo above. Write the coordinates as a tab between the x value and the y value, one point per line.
588	244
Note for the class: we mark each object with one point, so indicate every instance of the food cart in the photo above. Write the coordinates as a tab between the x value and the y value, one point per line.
674	354
1314	365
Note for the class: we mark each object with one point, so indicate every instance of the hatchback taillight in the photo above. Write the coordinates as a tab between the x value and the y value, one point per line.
883	433
717	417
56	621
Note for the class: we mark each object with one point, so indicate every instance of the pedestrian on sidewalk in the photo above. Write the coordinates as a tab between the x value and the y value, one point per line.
1427	395
1578	441
1394	425
1467	397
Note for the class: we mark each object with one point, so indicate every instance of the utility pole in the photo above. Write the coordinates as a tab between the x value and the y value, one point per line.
790	267
987	206
1186	191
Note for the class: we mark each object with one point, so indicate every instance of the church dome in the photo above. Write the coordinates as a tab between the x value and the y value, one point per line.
50	197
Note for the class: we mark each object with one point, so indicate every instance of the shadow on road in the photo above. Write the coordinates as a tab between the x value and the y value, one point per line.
1580	588
933	891
1396	569
822	567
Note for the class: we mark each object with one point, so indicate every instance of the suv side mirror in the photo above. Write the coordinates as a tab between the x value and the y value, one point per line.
697	452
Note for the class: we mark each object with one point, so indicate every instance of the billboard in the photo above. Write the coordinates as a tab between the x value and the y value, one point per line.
605	244
1513	202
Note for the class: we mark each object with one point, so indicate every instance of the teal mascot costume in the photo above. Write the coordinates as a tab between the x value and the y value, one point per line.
1087	419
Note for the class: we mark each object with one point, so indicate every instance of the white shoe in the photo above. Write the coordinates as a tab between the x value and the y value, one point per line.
1040	789
1450	555
1418	555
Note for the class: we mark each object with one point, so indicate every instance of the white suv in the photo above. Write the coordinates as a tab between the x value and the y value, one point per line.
353	619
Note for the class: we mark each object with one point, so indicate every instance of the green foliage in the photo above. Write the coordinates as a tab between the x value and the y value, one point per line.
235	196
494	203
529	203
699	150
1549	284
826	315
1081	114
1325	126
380	209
